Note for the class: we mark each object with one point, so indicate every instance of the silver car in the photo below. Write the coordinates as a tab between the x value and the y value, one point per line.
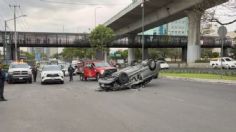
132	76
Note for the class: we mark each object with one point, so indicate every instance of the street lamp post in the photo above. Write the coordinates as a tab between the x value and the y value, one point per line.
143	15
15	35
95	16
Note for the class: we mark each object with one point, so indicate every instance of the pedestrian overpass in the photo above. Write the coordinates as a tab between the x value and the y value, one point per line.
80	40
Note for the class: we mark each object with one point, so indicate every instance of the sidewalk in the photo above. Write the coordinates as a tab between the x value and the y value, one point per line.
202	80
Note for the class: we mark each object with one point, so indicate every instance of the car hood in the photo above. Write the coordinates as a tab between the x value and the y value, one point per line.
51	72
233	62
19	69
104	68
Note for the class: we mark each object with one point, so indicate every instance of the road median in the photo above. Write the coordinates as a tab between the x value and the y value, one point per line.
200	77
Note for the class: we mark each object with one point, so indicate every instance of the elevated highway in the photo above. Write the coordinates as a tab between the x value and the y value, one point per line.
156	12
159	12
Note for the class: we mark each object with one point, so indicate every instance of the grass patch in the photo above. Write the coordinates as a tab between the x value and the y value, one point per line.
199	76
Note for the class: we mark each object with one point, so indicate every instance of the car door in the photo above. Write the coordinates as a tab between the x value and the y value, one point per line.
89	70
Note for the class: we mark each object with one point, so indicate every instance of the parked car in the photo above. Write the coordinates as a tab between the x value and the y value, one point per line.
164	65
226	62
97	69
52	74
19	72
132	76
64	69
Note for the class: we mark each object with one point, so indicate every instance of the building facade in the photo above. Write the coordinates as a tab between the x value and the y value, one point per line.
176	28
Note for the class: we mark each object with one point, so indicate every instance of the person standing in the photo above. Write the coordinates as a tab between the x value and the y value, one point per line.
34	72
71	71
2	81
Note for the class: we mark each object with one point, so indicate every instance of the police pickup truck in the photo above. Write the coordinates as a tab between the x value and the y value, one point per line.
19	72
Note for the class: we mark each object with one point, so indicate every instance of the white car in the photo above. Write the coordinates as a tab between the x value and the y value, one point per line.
164	65
19	72
52	74
226	62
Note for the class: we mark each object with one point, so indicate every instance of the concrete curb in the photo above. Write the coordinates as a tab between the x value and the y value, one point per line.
201	80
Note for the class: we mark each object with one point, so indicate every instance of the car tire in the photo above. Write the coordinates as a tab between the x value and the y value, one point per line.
42	83
152	65
30	81
123	78
9	81
62	82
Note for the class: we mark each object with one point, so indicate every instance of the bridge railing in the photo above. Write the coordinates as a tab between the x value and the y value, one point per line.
169	41
44	39
132	41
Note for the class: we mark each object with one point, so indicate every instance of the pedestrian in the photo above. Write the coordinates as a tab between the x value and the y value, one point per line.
2	81
34	72
71	71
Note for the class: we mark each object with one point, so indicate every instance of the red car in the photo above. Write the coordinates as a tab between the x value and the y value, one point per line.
97	69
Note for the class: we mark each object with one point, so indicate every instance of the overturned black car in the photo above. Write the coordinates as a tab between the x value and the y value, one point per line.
131	77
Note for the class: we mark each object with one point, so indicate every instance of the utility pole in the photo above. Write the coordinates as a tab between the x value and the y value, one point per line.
142	6
95	16
15	38
5	42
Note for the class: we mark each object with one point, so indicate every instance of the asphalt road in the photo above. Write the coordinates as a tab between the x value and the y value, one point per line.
163	106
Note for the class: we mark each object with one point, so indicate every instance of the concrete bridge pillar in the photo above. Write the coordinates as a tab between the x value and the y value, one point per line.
146	54
9	55
194	49
131	51
225	52
131	55
99	55
13	53
184	54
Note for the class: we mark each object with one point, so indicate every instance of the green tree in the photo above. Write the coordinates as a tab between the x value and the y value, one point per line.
29	56
70	53
100	37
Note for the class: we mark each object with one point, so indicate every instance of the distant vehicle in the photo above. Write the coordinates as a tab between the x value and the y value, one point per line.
80	68
164	65
97	69
52	74
64	69
132	76
19	72
227	63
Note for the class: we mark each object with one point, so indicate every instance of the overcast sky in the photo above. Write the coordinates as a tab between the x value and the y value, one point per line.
73	15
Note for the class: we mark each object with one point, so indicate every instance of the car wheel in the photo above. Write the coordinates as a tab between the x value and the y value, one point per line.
123	78
42	83
152	65
115	87
30	81
62	82
9	81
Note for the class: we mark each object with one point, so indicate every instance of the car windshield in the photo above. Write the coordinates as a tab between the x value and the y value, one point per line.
229	59
19	66
51	68
101	64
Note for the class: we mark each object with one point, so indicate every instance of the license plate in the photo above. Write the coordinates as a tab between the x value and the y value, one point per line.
102	85
21	78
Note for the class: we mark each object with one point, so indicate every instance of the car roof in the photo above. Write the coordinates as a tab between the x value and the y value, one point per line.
50	65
